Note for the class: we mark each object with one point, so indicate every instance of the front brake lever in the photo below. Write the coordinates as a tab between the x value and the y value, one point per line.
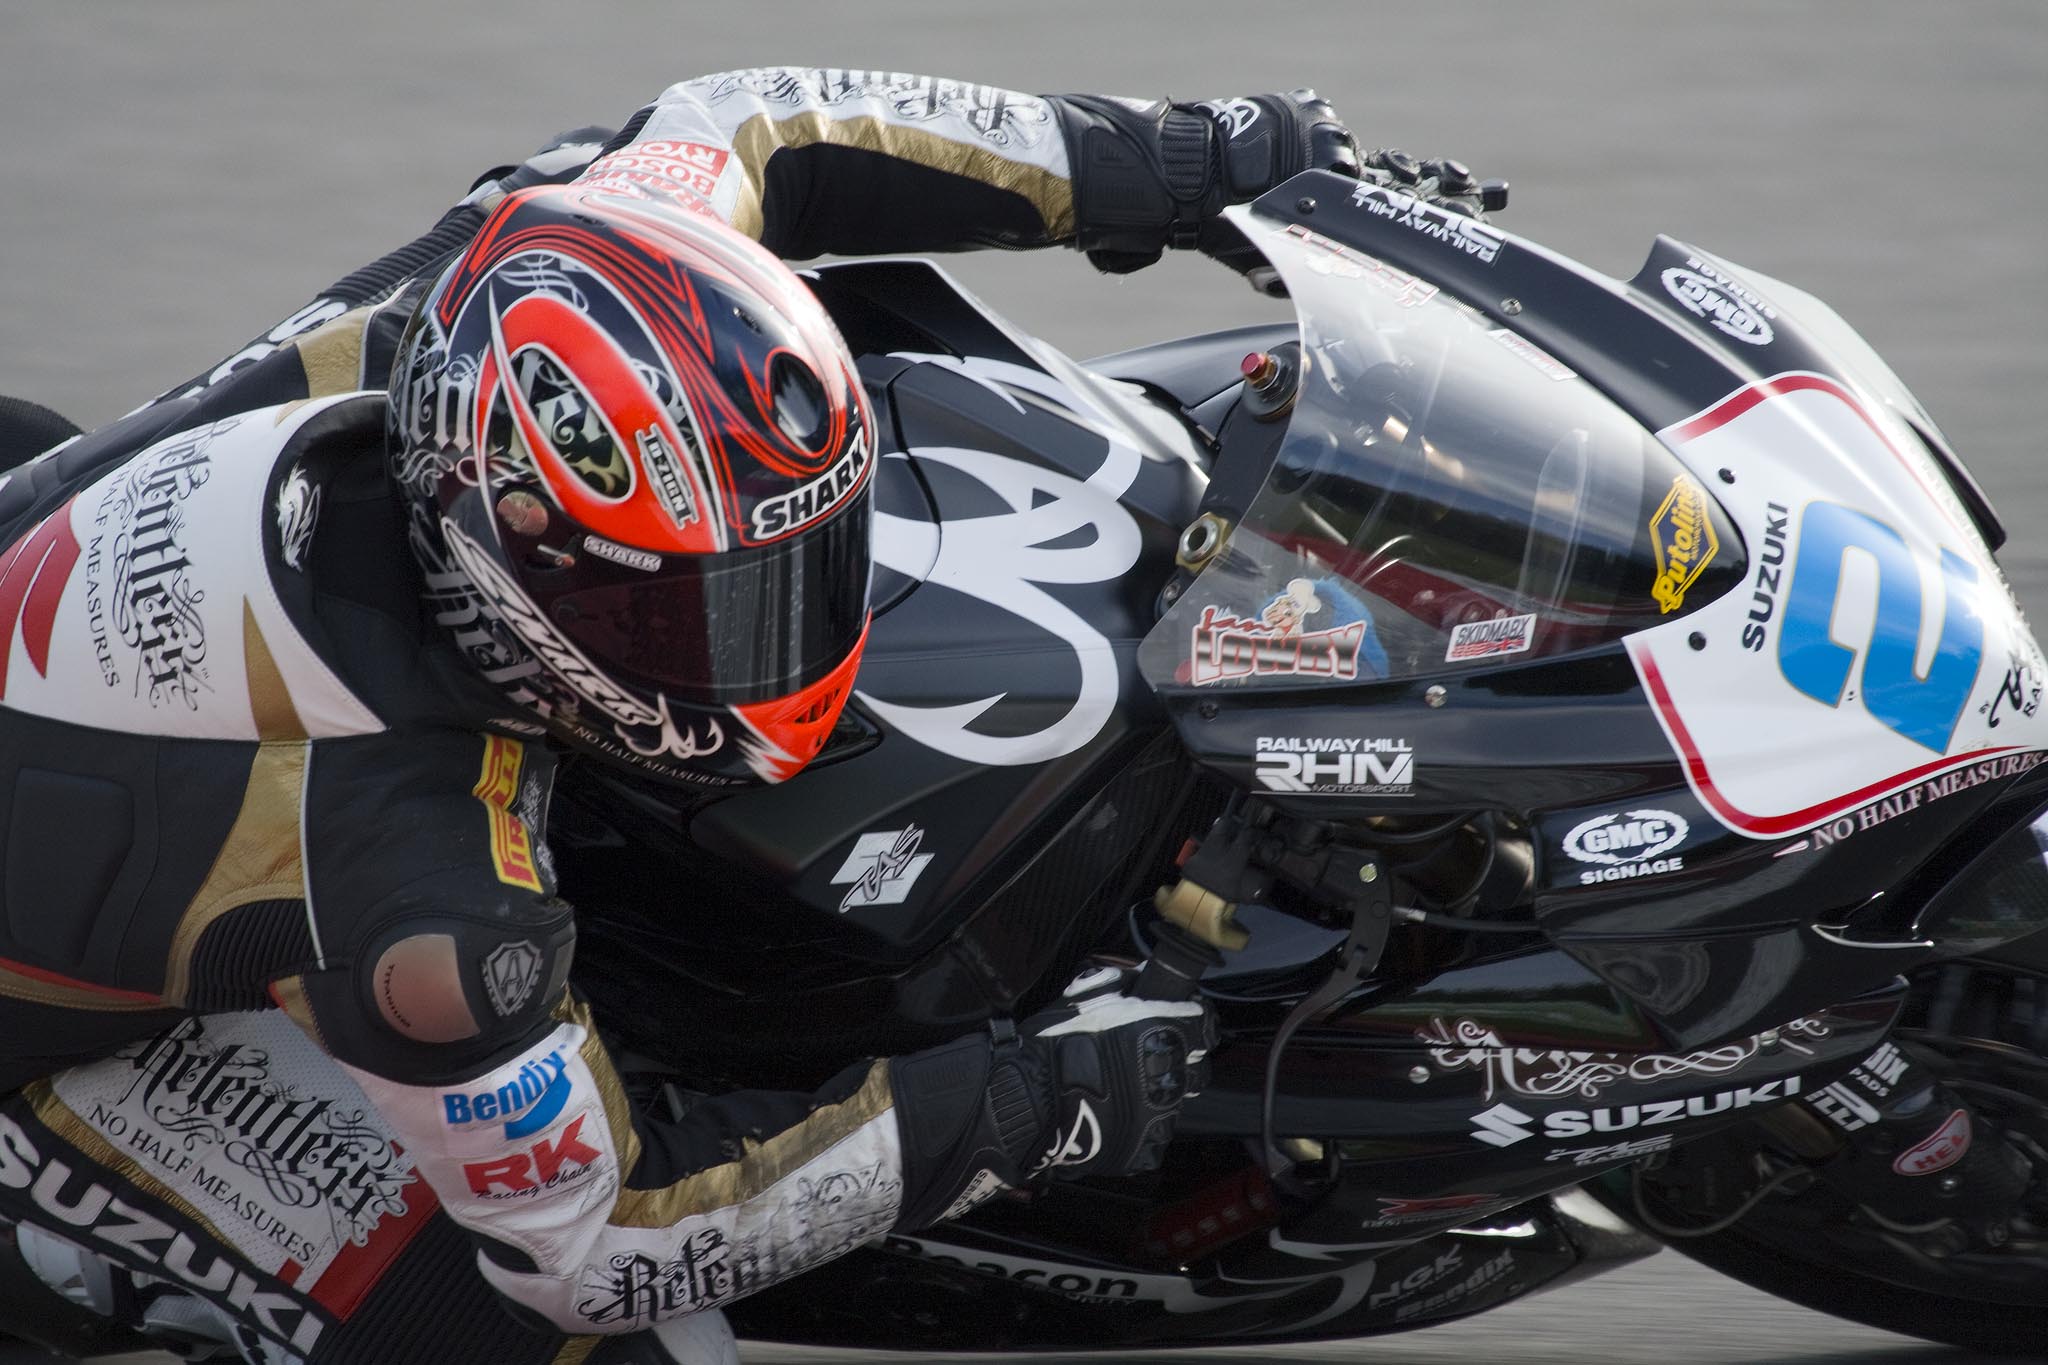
1372	919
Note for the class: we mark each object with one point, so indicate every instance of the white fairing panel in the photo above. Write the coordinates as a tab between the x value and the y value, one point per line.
1874	645
145	604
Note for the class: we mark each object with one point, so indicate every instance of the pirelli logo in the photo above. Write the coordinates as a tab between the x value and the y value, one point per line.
498	788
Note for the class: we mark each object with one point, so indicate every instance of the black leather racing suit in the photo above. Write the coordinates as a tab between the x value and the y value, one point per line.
242	759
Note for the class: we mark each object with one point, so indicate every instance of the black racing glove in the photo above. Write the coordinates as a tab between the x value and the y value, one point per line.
1147	176
1091	1086
1116	1069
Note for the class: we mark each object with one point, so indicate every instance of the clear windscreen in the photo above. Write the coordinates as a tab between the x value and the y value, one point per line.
1446	496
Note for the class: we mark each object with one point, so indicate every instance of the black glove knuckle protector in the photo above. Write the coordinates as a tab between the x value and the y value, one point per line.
1437	180
1119	1069
1091	1086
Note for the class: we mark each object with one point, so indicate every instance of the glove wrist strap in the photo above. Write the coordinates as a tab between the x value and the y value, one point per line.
970	1107
1144	177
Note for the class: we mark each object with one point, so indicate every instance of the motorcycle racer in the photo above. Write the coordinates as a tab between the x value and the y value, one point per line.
252	752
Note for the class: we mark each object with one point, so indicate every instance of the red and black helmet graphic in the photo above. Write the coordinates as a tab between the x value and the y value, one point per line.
637	456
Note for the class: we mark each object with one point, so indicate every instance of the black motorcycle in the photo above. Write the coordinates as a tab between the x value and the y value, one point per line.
1492	688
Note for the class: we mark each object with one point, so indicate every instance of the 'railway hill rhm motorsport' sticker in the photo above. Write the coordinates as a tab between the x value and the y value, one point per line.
1335	766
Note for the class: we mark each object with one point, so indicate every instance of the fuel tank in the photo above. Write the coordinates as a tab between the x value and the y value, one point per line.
996	790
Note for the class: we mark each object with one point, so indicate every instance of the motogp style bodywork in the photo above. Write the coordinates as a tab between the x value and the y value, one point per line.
1619	612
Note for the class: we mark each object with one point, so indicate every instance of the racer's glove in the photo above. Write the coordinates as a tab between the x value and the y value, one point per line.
1149	175
1116	1068
1438	180
1091	1086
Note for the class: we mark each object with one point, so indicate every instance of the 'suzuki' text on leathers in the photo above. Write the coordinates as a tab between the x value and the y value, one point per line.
287	761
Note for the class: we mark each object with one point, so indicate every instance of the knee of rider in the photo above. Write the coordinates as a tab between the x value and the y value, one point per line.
463	983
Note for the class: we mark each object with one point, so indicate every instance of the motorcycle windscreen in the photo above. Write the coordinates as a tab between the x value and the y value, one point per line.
1446	497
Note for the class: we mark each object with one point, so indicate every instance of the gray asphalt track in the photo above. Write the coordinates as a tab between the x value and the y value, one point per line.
175	176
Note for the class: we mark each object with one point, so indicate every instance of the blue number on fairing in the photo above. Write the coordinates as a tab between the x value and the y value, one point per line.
1924	710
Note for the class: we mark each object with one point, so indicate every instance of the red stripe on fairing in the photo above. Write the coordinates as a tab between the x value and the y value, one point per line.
50	978
1771	826
1742	400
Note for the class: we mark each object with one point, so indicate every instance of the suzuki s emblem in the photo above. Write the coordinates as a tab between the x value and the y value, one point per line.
1502	1126
883	866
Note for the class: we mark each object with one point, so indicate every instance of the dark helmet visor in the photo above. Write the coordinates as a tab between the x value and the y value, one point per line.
745	625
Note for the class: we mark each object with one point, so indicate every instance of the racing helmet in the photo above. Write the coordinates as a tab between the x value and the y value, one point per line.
635	459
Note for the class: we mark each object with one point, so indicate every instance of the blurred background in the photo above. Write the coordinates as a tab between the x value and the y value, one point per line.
176	176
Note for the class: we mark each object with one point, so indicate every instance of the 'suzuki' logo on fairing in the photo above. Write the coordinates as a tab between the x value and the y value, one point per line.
1503	1125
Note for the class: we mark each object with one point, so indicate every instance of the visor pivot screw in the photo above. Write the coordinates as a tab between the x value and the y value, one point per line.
1436	696
1418	1075
1305	204
1727	476
1512	307
523	513
1207	710
1259	370
1201	540
1696	640
1368	872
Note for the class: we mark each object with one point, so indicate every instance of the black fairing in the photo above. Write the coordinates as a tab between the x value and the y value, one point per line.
1767	929
940	866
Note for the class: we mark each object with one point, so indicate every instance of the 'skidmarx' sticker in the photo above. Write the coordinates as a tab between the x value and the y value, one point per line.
498	788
